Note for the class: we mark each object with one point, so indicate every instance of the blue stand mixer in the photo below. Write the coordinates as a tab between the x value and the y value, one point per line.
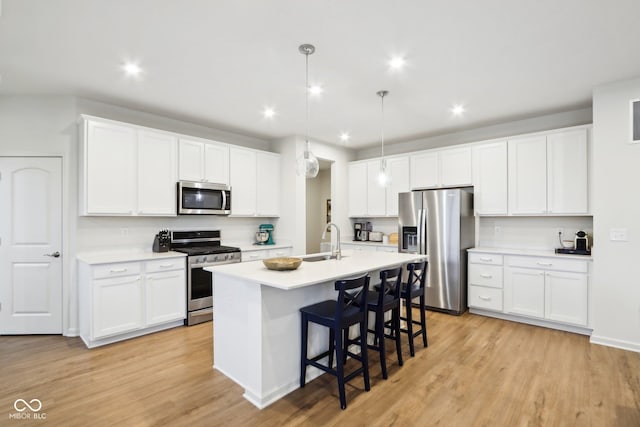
265	235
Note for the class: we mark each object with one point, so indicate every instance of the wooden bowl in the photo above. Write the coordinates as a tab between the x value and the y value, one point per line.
282	264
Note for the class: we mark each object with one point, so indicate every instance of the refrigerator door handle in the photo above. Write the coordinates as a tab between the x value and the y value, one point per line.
423	235
419	228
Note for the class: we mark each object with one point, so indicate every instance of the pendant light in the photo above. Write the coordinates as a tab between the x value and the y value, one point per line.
308	163
384	179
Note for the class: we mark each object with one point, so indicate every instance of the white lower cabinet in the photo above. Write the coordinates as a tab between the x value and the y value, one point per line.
259	254
552	290
123	300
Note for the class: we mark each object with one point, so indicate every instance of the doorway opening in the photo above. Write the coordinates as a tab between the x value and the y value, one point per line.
318	207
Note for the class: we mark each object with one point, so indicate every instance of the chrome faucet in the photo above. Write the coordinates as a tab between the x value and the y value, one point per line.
338	252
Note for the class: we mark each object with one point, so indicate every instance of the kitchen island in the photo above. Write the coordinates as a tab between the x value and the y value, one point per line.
256	319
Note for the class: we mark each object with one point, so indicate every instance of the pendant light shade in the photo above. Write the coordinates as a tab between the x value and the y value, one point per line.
384	178
307	164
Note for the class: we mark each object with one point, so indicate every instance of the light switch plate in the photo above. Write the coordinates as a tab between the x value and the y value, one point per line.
618	235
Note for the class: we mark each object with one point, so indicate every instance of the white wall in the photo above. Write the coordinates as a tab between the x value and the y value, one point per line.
515	127
293	207
39	125
318	191
616	275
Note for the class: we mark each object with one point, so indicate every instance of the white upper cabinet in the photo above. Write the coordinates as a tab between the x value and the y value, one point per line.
455	167
441	168
156	173
376	193
567	172
255	182
268	184
242	167
357	189
424	170
126	170
205	161
108	165
528	176
548	174
490	178
398	168
367	198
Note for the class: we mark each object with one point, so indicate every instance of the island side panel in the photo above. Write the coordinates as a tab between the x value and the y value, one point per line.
237	331
281	337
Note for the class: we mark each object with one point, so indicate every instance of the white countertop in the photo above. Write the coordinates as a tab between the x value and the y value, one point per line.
353	263
106	257
529	252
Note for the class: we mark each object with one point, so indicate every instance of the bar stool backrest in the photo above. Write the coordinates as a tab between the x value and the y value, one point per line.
417	272
390	284
352	296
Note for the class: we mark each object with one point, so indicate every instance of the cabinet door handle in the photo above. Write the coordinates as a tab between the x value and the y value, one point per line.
486	276
547	264
486	259
166	265
117	270
484	298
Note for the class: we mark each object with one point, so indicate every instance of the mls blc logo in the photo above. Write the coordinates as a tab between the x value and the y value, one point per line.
27	410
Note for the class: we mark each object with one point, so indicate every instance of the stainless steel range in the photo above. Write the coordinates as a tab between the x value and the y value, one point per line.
204	250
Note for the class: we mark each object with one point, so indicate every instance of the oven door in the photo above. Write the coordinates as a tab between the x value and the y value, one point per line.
198	198
200	284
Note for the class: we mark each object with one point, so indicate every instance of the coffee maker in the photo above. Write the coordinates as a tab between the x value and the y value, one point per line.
358	227
581	241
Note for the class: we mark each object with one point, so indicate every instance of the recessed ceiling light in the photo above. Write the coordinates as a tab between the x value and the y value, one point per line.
397	63
132	69
268	113
315	90
344	136
457	110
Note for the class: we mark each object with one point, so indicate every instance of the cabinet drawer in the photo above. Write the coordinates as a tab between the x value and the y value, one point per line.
548	263
116	270
477	258
164	265
486	298
277	253
254	255
485	275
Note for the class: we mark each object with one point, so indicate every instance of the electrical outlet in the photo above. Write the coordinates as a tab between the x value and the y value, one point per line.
560	230
497	230
124	231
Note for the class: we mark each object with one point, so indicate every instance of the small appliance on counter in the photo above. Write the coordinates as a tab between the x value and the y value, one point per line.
579	246
357	231
264	235
375	236
162	241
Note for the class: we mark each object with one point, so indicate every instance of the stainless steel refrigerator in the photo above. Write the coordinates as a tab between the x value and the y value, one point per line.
439	223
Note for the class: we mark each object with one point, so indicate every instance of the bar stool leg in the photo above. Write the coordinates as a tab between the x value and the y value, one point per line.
340	369
381	343
332	346
423	320
364	354
303	350
407	304
395	315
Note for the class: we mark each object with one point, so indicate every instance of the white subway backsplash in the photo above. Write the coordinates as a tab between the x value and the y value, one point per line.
538	233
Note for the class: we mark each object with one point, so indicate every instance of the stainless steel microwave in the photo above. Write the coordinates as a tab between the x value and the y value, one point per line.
203	198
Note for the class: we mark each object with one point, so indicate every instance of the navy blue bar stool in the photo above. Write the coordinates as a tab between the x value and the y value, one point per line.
386	298
349	309
414	288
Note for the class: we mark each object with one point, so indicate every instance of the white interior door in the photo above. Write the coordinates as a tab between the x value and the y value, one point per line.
30	245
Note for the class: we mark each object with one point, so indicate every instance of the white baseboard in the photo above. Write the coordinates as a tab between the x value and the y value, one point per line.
612	342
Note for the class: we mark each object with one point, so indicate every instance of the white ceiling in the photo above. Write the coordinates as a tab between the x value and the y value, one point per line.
219	63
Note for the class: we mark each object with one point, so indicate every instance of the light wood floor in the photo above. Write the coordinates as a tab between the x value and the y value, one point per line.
477	371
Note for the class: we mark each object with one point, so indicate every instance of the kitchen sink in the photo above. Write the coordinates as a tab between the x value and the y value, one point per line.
320	258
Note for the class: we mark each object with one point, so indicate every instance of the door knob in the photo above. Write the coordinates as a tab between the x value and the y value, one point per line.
56	254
